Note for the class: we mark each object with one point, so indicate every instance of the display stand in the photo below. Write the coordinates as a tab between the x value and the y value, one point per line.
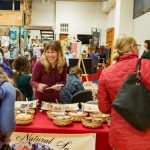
79	65
86	75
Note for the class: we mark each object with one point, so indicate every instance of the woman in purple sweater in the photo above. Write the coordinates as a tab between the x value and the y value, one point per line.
49	73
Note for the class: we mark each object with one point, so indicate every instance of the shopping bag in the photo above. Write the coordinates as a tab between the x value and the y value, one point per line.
132	101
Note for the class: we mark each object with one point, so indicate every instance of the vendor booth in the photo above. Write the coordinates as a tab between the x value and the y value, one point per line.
42	124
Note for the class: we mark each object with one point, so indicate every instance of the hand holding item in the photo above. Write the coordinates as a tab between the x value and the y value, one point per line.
41	87
56	87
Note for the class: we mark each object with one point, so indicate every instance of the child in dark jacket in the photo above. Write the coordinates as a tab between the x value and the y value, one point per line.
73	85
22	77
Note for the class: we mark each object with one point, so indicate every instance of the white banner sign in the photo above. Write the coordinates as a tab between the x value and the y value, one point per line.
42	141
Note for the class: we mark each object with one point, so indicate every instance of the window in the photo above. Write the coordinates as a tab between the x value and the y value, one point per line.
64	27
8	5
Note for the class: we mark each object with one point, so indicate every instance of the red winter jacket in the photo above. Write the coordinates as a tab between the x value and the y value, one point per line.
122	135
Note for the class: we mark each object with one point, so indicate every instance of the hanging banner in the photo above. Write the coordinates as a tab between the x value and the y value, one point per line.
41	141
14	41
23	37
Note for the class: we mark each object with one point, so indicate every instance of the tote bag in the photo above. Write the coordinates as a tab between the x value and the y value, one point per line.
132	101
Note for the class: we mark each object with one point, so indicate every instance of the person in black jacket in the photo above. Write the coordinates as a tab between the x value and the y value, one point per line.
146	53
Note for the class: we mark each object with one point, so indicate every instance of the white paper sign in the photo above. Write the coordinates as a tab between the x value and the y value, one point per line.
42	141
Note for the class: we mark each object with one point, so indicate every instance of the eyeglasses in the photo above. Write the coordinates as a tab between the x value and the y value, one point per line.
138	46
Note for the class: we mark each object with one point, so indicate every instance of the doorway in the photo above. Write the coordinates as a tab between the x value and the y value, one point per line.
110	40
62	36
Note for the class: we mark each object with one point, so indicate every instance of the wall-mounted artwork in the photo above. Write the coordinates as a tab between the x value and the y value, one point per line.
4	31
95	39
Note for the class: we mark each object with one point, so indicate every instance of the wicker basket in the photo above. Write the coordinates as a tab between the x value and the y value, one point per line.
95	115
51	114
24	119
62	120
90	123
23	122
29	111
77	116
103	117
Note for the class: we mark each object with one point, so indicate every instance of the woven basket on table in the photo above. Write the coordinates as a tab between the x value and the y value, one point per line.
29	111
62	121
103	117
95	115
23	122
77	116
24	119
91	123
51	114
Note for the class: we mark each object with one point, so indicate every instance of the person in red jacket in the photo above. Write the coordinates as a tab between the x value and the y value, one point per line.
49	73
122	135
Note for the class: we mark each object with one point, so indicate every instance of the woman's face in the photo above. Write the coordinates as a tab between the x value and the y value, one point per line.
52	56
145	45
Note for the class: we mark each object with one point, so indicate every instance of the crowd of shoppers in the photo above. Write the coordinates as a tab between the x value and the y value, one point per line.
49	82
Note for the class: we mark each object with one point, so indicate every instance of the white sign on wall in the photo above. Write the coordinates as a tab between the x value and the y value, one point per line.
42	141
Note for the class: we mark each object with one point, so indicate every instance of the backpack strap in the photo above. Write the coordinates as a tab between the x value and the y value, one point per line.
2	81
137	69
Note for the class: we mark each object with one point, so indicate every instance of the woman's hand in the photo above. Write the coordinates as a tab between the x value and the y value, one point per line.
57	87
41	87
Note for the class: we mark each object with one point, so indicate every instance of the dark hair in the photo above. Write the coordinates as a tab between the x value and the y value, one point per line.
76	70
21	64
34	58
148	43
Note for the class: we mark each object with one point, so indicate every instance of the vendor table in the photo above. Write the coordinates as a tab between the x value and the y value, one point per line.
42	124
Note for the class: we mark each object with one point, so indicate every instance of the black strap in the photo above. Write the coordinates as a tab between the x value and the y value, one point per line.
2	81
137	69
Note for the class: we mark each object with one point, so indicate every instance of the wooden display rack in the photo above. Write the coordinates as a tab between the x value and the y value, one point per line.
79	65
85	73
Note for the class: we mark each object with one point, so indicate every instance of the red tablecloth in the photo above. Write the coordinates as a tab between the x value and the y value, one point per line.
42	124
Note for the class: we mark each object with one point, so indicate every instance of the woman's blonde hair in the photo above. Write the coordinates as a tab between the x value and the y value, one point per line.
4	76
56	46
122	45
76	70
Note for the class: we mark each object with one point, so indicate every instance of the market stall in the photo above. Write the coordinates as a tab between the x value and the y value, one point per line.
42	124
